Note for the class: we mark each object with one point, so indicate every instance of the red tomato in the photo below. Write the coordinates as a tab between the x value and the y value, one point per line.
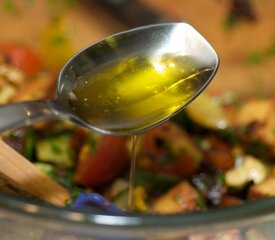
98	166
21	57
169	149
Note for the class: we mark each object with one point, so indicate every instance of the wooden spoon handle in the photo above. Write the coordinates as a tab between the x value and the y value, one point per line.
19	176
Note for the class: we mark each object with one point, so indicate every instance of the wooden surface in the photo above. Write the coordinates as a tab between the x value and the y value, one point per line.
89	24
233	46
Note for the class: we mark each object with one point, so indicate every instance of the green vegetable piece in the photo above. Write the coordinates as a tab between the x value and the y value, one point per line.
29	146
201	203
220	178
56	150
46	168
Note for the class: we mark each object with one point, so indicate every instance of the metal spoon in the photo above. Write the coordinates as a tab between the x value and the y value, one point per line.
149	42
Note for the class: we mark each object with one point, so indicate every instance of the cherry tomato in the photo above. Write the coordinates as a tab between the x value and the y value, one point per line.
168	149
101	163
21	57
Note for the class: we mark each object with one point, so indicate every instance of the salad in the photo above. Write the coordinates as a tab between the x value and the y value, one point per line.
217	152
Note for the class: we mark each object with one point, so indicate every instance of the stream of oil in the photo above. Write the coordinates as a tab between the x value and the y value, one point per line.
135	139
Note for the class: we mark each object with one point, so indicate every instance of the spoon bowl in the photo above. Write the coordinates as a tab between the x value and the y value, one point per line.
126	83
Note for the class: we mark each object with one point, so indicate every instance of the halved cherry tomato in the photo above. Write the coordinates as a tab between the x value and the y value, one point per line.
168	149
103	163
22	57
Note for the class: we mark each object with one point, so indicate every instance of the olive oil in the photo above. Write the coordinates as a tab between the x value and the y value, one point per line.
137	92
135	139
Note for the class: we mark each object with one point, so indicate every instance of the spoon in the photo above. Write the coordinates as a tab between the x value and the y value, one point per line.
126	83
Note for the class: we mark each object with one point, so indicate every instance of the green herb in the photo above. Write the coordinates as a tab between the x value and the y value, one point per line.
259	56
29	146
57	8
255	58
55	147
59	39
74	194
69	202
76	191
220	178
64	177
10	6
230	22
201	203
240	11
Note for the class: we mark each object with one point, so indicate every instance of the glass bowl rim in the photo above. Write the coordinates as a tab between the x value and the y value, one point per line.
247	213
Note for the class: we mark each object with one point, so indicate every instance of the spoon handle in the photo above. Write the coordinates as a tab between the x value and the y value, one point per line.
25	113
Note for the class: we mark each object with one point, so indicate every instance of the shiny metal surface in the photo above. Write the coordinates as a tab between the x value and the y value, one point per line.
153	40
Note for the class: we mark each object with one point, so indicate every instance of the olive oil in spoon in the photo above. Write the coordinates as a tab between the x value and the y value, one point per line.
134	94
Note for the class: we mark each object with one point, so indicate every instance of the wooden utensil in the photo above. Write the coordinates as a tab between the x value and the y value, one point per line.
19	176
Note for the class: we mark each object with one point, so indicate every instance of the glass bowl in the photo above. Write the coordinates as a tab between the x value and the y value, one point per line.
31	220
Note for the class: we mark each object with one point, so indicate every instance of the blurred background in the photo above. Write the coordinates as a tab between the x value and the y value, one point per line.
241	31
